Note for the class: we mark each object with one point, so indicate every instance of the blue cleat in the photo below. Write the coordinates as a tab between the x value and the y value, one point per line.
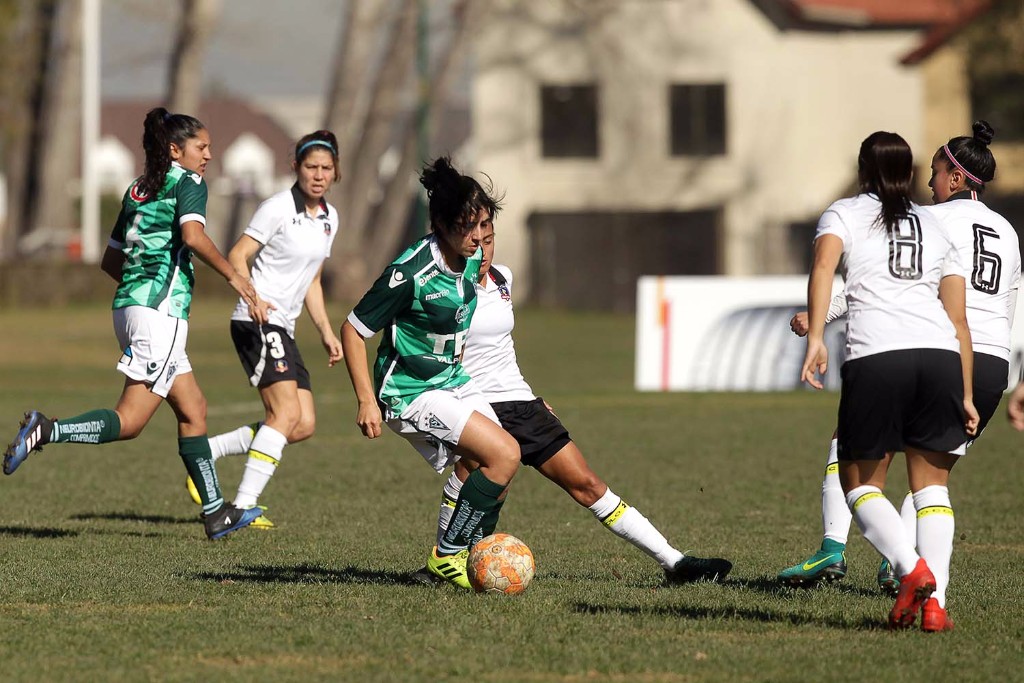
228	519
34	433
887	579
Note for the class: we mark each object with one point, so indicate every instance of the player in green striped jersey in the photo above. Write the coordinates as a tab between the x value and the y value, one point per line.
161	224
423	302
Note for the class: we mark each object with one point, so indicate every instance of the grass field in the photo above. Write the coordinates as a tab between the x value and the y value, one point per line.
106	574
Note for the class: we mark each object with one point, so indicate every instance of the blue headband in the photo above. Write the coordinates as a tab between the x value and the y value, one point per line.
316	142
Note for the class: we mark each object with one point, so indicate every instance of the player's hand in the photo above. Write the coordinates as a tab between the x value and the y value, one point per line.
333	347
550	409
971	419
815	361
1015	408
799	324
260	311
369	420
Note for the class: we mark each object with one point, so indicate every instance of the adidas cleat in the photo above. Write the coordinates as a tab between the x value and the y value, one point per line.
426	577
227	519
821	566
192	490
915	588
887	579
262	522
33	433
451	568
934	618
691	569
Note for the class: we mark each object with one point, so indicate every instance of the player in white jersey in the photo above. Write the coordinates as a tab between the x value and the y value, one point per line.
905	388
490	359
988	245
283	251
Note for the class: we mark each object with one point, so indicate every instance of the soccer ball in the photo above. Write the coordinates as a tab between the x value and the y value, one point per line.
500	563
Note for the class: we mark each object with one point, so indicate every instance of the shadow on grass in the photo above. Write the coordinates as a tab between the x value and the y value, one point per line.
35	532
736	613
306	573
771	586
134	517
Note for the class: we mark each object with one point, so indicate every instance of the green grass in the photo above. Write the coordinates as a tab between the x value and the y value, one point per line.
106	574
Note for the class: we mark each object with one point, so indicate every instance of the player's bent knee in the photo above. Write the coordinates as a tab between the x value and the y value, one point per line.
302	431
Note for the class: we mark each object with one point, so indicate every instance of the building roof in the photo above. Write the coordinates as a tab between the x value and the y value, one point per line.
866	14
226	118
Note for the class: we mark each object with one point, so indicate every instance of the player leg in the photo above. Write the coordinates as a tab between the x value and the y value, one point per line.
828	563
570	471
929	479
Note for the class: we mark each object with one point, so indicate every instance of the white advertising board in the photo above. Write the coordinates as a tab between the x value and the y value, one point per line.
732	334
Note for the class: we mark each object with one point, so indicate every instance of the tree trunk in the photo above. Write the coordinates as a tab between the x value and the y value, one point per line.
185	76
61	118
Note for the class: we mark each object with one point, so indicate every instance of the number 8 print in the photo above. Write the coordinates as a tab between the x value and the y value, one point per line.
905	248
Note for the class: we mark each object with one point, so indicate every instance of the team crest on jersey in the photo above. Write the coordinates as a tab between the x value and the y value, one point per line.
327	225
462	313
281	365
136	194
505	294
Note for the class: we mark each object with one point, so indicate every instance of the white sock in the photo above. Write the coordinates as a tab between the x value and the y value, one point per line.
835	513
449	496
935	530
235	442
626	522
908	513
264	456
880	524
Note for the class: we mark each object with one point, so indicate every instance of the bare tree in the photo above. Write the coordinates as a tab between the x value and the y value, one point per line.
185	76
374	109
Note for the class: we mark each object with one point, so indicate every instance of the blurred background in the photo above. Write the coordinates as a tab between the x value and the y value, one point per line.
629	137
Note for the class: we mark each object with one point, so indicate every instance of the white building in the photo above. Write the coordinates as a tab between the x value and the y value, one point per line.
680	136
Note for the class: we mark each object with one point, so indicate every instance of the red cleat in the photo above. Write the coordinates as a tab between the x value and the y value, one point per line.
915	588
934	618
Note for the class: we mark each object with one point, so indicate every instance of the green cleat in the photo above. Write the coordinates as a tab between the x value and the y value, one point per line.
887	579
828	564
451	568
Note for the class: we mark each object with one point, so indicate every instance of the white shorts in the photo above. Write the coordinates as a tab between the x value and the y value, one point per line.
433	423
152	347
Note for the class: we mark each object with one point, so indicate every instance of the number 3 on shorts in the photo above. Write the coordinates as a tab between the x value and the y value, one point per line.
275	345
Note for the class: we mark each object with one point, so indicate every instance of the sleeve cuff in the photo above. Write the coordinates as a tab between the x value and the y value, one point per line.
362	329
197	217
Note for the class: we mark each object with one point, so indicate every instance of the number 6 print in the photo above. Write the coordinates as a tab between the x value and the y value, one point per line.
985	261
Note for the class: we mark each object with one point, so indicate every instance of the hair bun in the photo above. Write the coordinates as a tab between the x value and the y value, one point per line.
440	175
983	132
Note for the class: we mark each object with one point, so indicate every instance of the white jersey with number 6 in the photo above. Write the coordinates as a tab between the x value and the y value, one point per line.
989	251
892	277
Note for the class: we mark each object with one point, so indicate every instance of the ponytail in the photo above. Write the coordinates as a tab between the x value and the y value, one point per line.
160	129
886	167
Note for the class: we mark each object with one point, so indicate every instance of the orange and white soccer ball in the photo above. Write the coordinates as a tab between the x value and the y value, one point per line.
500	563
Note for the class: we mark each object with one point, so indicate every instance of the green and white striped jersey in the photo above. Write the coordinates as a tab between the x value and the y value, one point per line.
424	309
157	271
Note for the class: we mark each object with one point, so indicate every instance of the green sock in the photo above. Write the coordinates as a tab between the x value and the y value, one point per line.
830	546
195	453
478	497
95	426
488	523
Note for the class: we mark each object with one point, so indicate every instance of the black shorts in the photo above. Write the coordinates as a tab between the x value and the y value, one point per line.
268	354
991	376
540	434
896	399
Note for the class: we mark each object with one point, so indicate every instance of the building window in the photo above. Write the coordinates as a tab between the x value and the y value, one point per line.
569	121
697	119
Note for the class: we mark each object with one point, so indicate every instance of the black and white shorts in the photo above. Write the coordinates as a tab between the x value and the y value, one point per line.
896	399
268	354
540	434
991	375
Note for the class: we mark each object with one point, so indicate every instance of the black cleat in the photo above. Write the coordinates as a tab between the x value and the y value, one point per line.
228	518
691	569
